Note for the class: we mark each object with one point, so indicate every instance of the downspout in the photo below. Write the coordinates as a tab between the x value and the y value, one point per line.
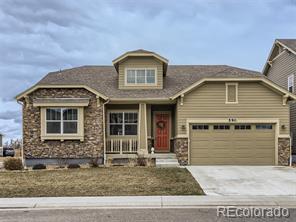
22	148
104	131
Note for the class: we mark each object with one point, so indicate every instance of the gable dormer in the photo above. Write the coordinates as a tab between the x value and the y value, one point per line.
140	69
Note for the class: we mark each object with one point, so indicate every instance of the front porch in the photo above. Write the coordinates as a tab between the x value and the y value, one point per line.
139	130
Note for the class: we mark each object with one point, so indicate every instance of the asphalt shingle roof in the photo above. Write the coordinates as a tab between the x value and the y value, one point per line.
290	43
104	79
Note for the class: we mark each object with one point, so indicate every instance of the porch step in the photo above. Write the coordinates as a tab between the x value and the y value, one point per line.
166	160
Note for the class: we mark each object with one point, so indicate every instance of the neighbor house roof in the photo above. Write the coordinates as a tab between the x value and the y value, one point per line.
288	44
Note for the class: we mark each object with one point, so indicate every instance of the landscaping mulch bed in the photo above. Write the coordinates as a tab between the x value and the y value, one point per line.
113	181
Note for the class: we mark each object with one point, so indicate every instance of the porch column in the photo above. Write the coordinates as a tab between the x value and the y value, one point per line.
143	145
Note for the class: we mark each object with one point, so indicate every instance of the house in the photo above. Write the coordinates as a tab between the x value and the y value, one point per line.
280	67
1	144
200	114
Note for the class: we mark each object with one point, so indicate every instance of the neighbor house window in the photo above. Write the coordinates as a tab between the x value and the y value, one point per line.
61	121
291	83
140	76
231	93
123	123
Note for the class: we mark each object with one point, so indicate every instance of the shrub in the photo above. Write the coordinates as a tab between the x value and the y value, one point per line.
94	162
73	166
39	166
13	164
142	161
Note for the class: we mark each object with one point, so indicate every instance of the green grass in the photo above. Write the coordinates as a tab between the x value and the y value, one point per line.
113	181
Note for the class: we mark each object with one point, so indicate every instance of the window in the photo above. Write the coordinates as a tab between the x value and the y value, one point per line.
200	127
291	83
61	121
264	126
141	76
123	123
221	127
242	127
231	93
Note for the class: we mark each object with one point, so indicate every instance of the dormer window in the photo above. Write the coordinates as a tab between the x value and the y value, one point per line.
140	76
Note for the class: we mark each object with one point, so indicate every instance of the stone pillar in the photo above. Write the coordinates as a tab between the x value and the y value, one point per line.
143	146
181	150
284	151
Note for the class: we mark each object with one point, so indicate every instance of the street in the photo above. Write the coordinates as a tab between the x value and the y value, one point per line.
139	215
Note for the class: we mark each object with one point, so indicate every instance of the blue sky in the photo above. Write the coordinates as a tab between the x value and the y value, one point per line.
41	36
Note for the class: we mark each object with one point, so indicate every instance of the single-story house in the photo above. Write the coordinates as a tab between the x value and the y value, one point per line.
201	114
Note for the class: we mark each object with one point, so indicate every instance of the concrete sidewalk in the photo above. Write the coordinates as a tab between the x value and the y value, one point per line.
147	202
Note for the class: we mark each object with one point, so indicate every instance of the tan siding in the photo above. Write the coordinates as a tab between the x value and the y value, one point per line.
282	67
254	101
140	62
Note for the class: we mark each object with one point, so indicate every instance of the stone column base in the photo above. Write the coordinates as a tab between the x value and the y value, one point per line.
181	150
284	151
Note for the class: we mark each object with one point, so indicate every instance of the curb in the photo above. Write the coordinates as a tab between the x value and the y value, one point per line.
147	202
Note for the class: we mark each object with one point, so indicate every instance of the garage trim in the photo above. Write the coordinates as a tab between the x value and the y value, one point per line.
233	121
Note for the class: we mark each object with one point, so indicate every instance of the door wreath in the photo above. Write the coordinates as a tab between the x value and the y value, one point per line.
160	124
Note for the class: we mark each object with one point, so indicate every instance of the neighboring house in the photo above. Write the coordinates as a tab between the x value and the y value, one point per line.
203	114
1	144
280	67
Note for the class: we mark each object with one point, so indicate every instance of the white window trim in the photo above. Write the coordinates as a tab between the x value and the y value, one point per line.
140	84
123	124
226	90
63	136
291	82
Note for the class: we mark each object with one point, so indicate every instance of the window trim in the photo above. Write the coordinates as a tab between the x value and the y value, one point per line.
291	82
63	136
226	92
123	124
140	84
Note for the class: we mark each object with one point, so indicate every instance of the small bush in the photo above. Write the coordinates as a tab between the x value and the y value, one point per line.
13	164
94	162
142	161
73	166
39	167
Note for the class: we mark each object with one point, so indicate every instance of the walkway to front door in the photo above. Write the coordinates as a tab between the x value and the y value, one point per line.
162	131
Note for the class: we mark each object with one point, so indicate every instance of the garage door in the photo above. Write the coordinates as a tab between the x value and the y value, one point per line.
232	144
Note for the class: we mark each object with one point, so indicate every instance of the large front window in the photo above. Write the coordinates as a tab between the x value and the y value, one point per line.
123	123
61	121
140	76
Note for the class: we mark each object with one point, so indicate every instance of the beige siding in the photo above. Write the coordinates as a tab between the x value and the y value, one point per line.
140	62
254	101
281	68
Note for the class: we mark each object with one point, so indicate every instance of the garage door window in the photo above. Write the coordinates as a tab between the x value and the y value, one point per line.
263	126
242	127
200	127
221	127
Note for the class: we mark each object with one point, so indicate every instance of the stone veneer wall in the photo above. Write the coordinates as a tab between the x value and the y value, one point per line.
92	146
181	150
284	151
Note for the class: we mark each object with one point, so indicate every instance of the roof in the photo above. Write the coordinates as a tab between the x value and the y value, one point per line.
104	79
289	43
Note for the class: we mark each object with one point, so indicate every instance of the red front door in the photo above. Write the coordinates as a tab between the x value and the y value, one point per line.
162	132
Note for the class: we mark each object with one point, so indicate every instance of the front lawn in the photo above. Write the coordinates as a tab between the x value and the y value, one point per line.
113	181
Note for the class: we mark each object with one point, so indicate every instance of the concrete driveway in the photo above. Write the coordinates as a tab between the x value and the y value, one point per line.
245	180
